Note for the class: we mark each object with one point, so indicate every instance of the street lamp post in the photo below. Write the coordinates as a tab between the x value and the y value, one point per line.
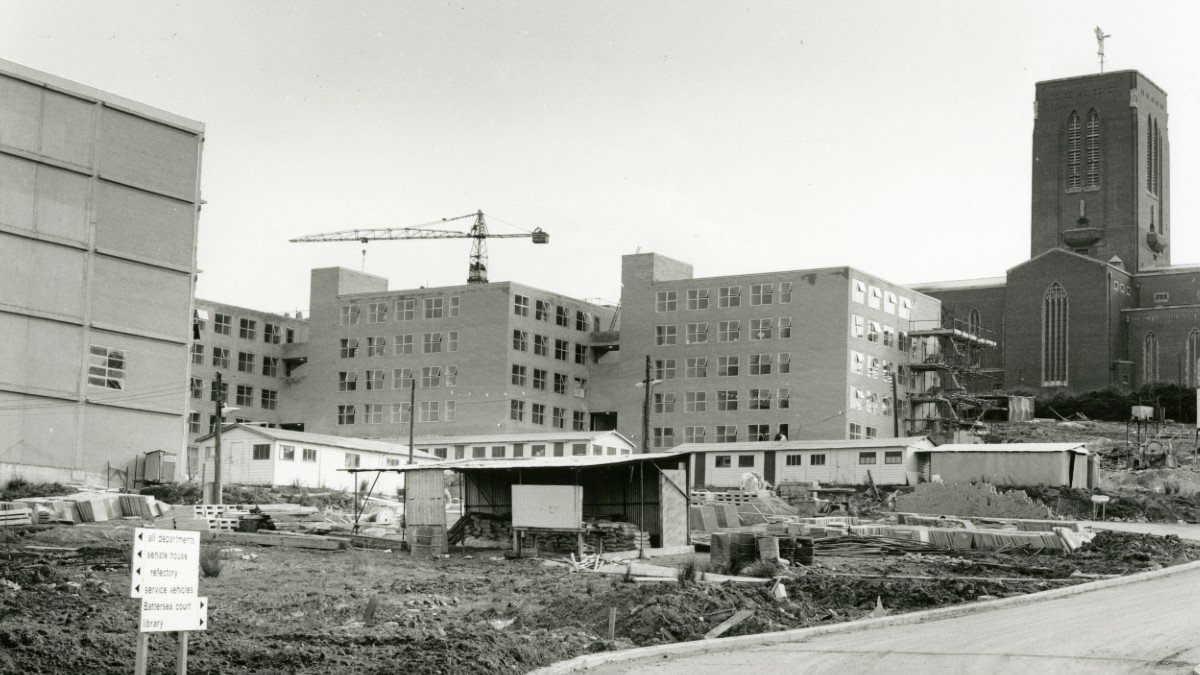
222	409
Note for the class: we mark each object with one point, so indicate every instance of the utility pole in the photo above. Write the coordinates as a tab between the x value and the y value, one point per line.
647	383
646	408
412	416
895	404
220	396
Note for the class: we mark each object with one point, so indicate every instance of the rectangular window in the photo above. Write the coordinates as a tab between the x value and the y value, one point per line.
377	312
889	336
816	460
433	308
745	461
223	324
695	401
581	354
558	418
272	333
403	344
760	364
664	402
270	399
219	393
196	386
729	331
759	399
245	395
376	346
562	316
349	348
373	413
541	310
693	434
785	327
537	450
520	340
785	363
261	451
498	451
347	381
539	378
893	458
561	349
664	335
579	449
374	379
874	329
406	309
889	302
270	366
453	341
873	366
583	320
727	400
723	461
308	455
858	326
453	309
761	294
858	399
516	410
198	354
245	362
560	383
664	369
785	292
760	329
578	420
859	293
727	433
858	362
905	308
432	343
697	333
866	458
855	431
353	460
875	299
220	357
431	377
729	296
666	301
518	375
199	319
871	432
402	378
350	315
401	413
430	411
537	413
728	366
662	437
697	298
696	366
541	345
521	305
580	387
194	423
759	432
794	460
345	414
451	411
479	451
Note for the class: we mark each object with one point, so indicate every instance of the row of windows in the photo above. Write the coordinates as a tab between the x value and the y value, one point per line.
272	333
870	401
1150	358
858	431
558	449
814	459
396	413
517	410
377	345
724	400
727	296
221	358
402	309
727	331
244	394
541	378
543	310
874	331
664	437
877	298
541	347
402	378
871	366
725	366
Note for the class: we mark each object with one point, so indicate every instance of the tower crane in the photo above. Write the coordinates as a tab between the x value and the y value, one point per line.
476	268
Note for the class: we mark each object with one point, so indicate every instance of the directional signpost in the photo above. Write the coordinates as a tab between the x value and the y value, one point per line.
166	574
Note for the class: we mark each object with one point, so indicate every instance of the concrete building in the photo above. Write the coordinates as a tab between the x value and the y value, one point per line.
258	355
808	354
1099	303
492	358
530	444
99	203
890	461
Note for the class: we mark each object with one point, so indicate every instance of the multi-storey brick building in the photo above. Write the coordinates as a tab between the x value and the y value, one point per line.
1099	303
805	353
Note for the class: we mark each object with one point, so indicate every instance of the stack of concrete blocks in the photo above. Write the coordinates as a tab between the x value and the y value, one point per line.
711	517
970	499
933	521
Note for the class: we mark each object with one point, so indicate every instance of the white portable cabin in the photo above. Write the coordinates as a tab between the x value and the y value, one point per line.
1065	464
518	445
253	455
890	461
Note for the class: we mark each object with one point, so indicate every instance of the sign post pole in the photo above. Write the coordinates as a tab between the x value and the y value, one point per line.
165	574
143	644
181	654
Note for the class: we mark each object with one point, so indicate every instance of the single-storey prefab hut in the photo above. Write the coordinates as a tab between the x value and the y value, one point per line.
1058	464
890	461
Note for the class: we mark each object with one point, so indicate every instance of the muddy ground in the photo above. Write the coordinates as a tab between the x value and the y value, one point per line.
296	610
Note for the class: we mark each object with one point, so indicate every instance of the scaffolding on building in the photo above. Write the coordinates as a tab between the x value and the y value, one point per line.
944	355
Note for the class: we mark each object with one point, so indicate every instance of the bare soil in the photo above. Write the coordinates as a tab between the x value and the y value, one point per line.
295	610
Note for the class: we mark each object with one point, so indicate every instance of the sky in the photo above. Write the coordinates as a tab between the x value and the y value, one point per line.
736	136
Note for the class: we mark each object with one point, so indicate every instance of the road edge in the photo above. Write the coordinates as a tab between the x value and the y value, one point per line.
588	661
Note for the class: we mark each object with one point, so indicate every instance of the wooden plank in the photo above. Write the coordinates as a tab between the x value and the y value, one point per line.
321	543
727	624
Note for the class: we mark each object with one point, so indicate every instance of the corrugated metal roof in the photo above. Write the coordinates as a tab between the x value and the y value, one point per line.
919	442
304	437
579	462
535	437
1079	448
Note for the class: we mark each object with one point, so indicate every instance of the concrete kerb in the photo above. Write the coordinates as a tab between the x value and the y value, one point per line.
588	661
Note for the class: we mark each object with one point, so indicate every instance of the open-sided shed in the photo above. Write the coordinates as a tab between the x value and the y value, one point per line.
648	490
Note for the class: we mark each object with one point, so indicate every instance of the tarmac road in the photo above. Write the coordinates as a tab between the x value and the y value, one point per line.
1150	626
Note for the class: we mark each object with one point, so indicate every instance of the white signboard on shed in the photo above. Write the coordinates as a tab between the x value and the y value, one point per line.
557	507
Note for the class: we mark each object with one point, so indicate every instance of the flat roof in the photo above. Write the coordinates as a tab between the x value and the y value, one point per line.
534	437
1078	448
960	284
832	444
304	437
574	462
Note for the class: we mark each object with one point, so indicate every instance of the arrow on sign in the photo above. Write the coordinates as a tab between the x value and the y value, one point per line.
140	535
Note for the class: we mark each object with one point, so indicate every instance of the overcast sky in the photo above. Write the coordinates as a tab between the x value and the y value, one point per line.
737	136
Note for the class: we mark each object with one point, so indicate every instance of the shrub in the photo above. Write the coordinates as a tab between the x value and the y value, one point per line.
210	561
763	569
690	572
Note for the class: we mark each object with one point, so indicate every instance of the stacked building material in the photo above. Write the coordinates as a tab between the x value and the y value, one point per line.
142	506
1046	525
933	521
11	516
97	508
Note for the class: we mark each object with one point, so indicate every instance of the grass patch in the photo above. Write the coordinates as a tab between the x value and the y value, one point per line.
210	561
20	488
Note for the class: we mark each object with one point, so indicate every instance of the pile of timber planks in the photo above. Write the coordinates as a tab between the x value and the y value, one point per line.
11	517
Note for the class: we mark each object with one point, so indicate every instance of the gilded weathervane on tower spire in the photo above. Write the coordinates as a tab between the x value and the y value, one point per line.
1100	36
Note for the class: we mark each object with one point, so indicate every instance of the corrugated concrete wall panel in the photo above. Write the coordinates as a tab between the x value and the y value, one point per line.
20	114
138	152
140	297
149	226
118	435
39	356
67	129
43	277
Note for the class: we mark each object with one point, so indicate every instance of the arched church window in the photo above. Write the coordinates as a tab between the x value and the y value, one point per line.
1193	355
974	321
1055	324
1150	358
1073	149
1149	154
1093	149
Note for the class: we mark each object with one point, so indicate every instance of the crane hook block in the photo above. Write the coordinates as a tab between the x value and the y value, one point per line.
540	236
